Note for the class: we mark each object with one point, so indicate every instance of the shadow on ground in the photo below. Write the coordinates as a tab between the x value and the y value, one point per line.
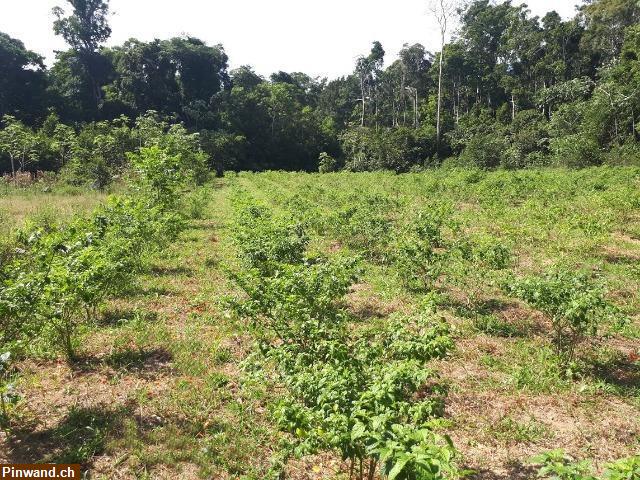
128	360
76	438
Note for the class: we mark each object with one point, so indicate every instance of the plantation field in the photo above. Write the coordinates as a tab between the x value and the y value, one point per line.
315	324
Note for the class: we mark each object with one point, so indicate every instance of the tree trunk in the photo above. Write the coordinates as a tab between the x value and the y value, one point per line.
439	95
375	101
363	105
403	96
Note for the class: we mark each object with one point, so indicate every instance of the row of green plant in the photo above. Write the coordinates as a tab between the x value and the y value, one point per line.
56	276
367	393
415	241
556	465
429	248
291	304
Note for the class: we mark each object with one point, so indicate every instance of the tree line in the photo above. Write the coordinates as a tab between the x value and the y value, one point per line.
508	90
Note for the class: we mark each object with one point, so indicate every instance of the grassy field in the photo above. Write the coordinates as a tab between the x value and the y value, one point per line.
163	386
37	203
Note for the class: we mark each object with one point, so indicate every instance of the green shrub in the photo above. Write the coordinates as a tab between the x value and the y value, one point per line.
556	465
574	304
529	138
576	151
157	176
196	203
355	394
365	225
419	253
327	163
485	150
60	274
627	154
263	241
7	388
396	149
623	469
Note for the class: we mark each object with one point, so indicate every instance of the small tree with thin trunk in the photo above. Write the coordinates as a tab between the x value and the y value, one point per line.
17	142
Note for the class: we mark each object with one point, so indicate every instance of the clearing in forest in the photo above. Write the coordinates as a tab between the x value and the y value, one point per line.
499	307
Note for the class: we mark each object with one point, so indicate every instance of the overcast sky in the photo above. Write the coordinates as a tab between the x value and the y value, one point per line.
321	38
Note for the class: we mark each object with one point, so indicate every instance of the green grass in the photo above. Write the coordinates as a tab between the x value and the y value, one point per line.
163	390
40	205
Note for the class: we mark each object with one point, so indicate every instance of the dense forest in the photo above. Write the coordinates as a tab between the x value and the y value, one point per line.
509	90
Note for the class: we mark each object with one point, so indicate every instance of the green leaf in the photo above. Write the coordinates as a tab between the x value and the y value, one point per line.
398	467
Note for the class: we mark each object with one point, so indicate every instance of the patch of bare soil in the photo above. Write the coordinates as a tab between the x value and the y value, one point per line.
61	398
604	428
362	303
498	430
315	467
626	238
618	254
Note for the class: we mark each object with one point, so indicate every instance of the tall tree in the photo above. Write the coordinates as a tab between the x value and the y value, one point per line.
416	62
606	21
85	30
442	11
17	141
179	77
145	78
22	80
368	70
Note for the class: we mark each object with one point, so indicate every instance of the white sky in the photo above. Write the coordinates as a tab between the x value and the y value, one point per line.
321	38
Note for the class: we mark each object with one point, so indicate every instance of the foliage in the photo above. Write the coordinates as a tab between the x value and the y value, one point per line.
576	150
326	163
623	469
420	252
389	149
264	240
513	91
346	392
18	142
485	150
365	225
529	138
60	274
574	304
7	388
556	465
22	80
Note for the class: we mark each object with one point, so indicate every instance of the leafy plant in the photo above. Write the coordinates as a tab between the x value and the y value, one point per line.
420	251
327	163
623	469
556	465
59	276
365	226
7	388
574	304
357	394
